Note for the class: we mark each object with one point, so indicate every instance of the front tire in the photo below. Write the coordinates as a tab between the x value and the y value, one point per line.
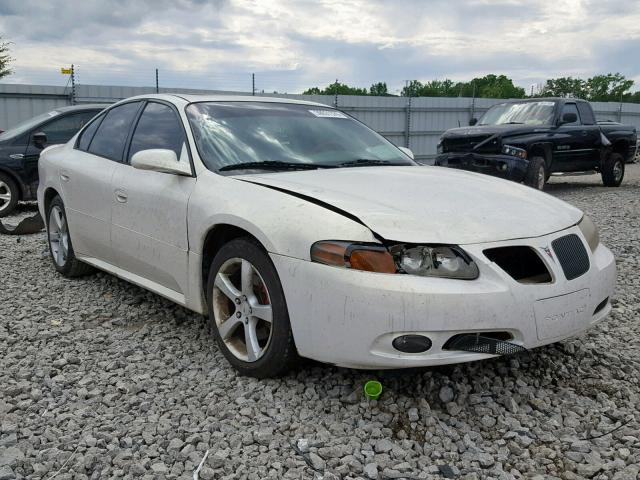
248	313
613	170
8	195
60	247
536	175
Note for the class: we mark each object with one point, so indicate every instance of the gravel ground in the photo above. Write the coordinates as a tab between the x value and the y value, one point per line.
101	379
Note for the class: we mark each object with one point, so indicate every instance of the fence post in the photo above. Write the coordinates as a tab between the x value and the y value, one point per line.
407	124
620	113
73	85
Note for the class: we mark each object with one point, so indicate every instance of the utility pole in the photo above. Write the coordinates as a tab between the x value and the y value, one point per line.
253	84
73	85
335	100
157	85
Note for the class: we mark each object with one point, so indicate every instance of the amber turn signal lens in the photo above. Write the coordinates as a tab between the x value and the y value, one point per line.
370	258
372	261
329	253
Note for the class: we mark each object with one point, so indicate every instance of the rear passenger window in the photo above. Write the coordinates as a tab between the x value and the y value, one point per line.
158	127
112	133
571	108
87	135
586	114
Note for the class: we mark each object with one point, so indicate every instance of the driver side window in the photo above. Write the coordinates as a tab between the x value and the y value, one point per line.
571	108
158	127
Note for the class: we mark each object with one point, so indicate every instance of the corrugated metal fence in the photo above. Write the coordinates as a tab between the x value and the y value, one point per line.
413	122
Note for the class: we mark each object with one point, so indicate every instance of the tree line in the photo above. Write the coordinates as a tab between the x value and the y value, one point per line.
612	87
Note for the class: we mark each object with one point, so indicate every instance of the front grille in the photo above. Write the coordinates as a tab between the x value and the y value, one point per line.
467	143
522	263
572	255
483	343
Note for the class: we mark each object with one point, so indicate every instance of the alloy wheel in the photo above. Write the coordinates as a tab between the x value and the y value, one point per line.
541	178
5	196
618	171
242	309
58	236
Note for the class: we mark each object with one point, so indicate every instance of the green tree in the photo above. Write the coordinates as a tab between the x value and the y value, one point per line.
564	87
489	86
608	88
336	88
5	59
379	89
412	89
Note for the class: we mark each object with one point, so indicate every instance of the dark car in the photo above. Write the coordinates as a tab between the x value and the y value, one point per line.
21	145
527	140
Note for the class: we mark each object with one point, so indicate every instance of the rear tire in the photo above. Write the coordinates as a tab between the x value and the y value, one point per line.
60	247
536	175
248	313
613	170
9	194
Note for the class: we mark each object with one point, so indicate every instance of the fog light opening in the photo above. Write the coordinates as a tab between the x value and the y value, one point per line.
411	343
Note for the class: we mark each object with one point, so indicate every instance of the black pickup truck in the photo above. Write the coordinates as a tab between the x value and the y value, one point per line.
527	140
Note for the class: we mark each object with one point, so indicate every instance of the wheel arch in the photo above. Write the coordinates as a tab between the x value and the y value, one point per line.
541	150
621	146
16	179
49	194
217	236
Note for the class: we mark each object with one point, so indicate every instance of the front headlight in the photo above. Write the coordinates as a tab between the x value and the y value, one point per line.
590	232
439	147
514	151
435	261
424	260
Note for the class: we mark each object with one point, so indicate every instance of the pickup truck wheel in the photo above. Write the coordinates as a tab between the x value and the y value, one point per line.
536	175
8	195
613	170
248	313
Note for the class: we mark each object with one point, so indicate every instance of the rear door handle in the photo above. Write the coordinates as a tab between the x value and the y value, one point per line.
16	156
121	196
585	133
64	176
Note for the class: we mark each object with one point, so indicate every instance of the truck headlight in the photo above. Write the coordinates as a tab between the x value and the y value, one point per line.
440	148
590	232
423	260
514	151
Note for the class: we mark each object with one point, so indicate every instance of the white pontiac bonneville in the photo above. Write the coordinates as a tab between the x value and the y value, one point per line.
299	231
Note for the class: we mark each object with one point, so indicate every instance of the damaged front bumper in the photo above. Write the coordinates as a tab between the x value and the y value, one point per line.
497	165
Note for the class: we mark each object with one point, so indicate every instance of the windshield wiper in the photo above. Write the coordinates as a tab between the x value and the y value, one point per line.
365	162
273	165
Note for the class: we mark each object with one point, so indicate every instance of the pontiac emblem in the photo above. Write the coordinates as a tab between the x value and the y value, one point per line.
547	250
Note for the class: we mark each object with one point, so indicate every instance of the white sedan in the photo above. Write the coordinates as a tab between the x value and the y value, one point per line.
299	231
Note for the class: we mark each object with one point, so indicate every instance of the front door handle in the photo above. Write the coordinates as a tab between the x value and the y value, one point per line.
585	133
64	176
121	196
16	156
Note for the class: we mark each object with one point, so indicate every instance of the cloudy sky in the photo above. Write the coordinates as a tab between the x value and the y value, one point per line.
294	44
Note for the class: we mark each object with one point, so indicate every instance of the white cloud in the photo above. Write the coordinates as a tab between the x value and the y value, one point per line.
298	43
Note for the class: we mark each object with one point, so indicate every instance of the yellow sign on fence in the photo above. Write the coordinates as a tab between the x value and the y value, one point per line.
65	71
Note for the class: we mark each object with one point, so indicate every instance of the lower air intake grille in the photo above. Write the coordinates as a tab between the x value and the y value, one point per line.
471	342
572	255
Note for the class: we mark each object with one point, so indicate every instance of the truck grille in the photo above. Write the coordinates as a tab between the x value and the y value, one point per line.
467	143
572	255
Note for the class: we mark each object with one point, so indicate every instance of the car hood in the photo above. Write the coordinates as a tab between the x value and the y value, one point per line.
489	130
428	204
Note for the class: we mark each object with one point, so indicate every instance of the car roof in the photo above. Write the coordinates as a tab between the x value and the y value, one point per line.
191	98
79	108
544	99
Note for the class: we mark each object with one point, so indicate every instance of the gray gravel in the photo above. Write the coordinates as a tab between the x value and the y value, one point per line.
101	379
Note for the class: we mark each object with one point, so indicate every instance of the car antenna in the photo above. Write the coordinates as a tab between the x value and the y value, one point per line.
458	123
